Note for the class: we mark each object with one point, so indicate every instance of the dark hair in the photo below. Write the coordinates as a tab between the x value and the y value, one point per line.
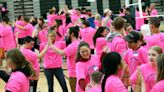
142	39
82	43
111	62
121	10
51	11
75	31
68	19
160	67
98	33
28	39
58	24
97	77
26	19
126	25
86	23
118	23
41	25
19	17
16	56
6	20
155	21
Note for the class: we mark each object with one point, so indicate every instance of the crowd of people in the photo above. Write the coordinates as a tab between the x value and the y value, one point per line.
104	53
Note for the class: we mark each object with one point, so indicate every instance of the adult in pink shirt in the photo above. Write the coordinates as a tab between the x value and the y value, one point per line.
116	40
153	10
70	52
95	82
31	57
52	17
139	21
19	33
76	17
100	42
159	86
52	61
111	65
135	55
106	21
85	65
157	38
87	34
21	70
7	35
147	71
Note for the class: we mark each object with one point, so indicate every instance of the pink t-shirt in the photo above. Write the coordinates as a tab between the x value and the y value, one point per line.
51	59
42	36
29	28
118	44
8	37
70	52
149	76
159	87
1	39
107	24
66	28
32	57
154	12
18	82
51	19
97	23
100	43
83	71
114	84
61	32
21	32
156	39
135	58
87	35
94	89
139	22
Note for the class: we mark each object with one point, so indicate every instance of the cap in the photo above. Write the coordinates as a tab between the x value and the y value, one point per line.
133	36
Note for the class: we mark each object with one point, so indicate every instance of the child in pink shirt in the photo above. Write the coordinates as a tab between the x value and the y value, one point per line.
51	18
95	82
52	61
148	71
87	34
135	55
159	86
97	21
7	35
111	65
139	21
21	70
86	64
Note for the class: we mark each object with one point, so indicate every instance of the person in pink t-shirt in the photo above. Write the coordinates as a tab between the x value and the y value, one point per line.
156	38
159	86
112	63
29	28
87	34
7	35
31	57
116	40
85	65
128	28
100	42
70	52
21	70
19	34
139	21
52	17
52	61
135	55
68	24
95	82
153	10
144	76
121	12
97	21
106	21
